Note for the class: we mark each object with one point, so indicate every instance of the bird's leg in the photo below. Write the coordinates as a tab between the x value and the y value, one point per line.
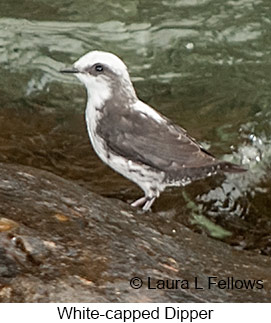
139	202
148	203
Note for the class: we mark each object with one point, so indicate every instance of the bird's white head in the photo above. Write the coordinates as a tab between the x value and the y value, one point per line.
104	76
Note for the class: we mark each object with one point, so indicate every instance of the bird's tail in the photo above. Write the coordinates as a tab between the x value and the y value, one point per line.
188	174
231	168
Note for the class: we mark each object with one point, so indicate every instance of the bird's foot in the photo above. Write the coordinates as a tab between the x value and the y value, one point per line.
148	204
145	201
139	202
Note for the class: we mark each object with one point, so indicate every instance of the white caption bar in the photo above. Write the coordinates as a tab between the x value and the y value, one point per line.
130	313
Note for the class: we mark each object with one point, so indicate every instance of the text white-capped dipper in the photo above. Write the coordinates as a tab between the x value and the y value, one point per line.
134	139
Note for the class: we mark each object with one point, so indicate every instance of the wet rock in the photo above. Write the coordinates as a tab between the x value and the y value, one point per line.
61	243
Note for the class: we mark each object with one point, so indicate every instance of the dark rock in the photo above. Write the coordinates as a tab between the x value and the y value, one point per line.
62	243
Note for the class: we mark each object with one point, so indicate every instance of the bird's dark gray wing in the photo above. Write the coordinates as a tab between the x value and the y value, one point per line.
161	145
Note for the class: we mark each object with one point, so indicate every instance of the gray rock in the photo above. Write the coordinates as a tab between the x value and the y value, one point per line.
62	243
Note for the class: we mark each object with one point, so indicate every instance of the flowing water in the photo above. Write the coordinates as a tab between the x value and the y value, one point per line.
203	63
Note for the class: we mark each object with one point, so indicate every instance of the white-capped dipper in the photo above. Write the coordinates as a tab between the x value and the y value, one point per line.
134	139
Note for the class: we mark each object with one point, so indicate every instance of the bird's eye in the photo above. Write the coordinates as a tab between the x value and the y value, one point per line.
99	68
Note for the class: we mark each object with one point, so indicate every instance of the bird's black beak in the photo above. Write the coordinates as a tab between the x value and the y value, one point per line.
70	70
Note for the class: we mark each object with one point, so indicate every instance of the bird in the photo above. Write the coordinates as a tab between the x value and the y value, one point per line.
133	138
